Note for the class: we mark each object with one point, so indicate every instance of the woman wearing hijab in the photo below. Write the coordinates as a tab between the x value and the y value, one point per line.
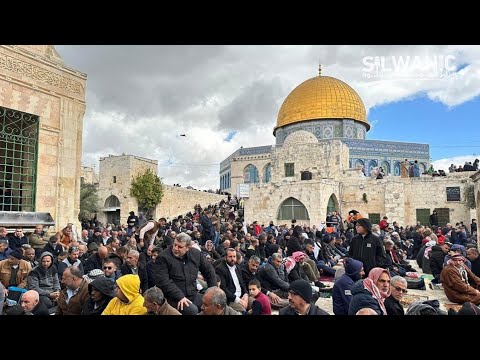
209	251
371	292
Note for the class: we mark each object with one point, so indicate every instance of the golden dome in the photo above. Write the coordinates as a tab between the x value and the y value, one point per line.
321	97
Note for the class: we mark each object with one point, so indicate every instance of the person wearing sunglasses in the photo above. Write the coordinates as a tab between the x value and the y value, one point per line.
110	270
398	288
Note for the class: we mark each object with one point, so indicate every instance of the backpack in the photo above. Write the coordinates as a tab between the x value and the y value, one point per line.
415	283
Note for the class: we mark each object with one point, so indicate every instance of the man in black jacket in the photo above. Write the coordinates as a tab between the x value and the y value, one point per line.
398	288
366	247
231	282
176	271
300	297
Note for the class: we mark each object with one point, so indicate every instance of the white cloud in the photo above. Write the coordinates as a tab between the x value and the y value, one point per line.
140	98
444	164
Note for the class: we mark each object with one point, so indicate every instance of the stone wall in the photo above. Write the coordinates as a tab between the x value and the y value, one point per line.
394	197
399	198
124	168
89	175
179	201
265	200
238	165
325	159
33	79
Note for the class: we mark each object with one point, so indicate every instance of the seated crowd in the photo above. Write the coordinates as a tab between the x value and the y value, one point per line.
210	262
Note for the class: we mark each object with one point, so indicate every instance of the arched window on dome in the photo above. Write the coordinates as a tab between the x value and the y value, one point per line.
396	168
267	173
250	174
386	167
291	208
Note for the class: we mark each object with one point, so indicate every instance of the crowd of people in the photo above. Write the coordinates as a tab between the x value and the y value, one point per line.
211	262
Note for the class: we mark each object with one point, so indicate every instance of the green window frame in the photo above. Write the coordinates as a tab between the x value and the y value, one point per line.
18	160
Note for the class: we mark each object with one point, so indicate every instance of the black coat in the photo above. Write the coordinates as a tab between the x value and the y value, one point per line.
368	250
393	306
314	310
178	277
436	260
226	281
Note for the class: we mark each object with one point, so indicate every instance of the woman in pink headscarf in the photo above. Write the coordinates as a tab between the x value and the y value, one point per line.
371	292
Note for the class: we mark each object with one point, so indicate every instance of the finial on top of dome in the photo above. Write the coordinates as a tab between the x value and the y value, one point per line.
320	70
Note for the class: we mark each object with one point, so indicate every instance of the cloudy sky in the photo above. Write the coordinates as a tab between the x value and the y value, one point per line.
140	99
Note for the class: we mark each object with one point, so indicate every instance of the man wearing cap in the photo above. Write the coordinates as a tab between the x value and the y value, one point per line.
437	256
14	271
53	247
459	282
300	298
366	247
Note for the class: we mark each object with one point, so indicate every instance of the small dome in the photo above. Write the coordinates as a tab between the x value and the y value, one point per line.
300	137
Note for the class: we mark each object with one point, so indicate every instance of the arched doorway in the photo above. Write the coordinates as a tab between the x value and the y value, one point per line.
112	210
371	164
332	204
291	208
396	168
386	167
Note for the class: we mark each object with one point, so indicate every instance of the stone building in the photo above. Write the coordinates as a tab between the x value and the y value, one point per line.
89	175
115	202
321	162
42	103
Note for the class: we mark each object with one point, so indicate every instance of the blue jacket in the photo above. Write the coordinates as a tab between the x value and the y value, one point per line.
342	290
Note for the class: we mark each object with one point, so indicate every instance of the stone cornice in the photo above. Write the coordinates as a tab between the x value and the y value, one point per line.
37	73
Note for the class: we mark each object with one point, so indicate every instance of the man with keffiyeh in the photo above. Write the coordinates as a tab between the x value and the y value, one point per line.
459	282
371	292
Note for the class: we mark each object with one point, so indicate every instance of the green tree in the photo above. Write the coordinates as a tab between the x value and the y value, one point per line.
88	201
147	189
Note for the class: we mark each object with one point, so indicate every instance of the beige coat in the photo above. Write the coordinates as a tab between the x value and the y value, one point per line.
458	291
22	273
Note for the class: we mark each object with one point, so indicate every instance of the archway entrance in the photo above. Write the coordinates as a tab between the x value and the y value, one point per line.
112	210
332	204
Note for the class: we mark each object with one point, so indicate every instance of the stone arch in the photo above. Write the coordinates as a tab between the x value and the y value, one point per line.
371	164
332	204
423	167
250	174
267	173
292	208
112	201
396	168
386	167
358	163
